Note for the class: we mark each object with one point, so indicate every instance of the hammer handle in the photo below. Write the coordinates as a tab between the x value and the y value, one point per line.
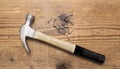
70	47
56	42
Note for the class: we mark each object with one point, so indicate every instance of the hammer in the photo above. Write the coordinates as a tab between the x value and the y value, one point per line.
27	31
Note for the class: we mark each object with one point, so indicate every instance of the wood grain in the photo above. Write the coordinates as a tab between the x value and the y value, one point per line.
96	27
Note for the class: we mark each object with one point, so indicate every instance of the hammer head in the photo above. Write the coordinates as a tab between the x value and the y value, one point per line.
27	31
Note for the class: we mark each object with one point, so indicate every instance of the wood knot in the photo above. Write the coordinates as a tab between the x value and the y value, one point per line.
11	59
63	66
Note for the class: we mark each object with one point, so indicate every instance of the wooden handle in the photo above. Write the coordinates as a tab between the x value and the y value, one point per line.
56	42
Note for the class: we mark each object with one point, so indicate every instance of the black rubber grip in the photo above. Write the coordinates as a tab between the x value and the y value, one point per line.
80	51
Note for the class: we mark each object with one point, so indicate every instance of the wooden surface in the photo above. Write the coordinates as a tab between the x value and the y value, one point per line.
96	27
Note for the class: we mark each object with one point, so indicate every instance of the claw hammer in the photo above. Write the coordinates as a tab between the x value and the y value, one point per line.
27	31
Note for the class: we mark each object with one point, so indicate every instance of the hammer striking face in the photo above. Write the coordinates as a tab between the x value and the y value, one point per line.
27	31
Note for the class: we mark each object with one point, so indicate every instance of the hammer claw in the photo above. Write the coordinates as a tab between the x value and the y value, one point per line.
26	47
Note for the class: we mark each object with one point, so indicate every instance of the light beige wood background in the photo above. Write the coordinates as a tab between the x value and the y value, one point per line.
96	27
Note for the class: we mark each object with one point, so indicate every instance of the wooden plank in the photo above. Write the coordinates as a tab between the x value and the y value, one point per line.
96	26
